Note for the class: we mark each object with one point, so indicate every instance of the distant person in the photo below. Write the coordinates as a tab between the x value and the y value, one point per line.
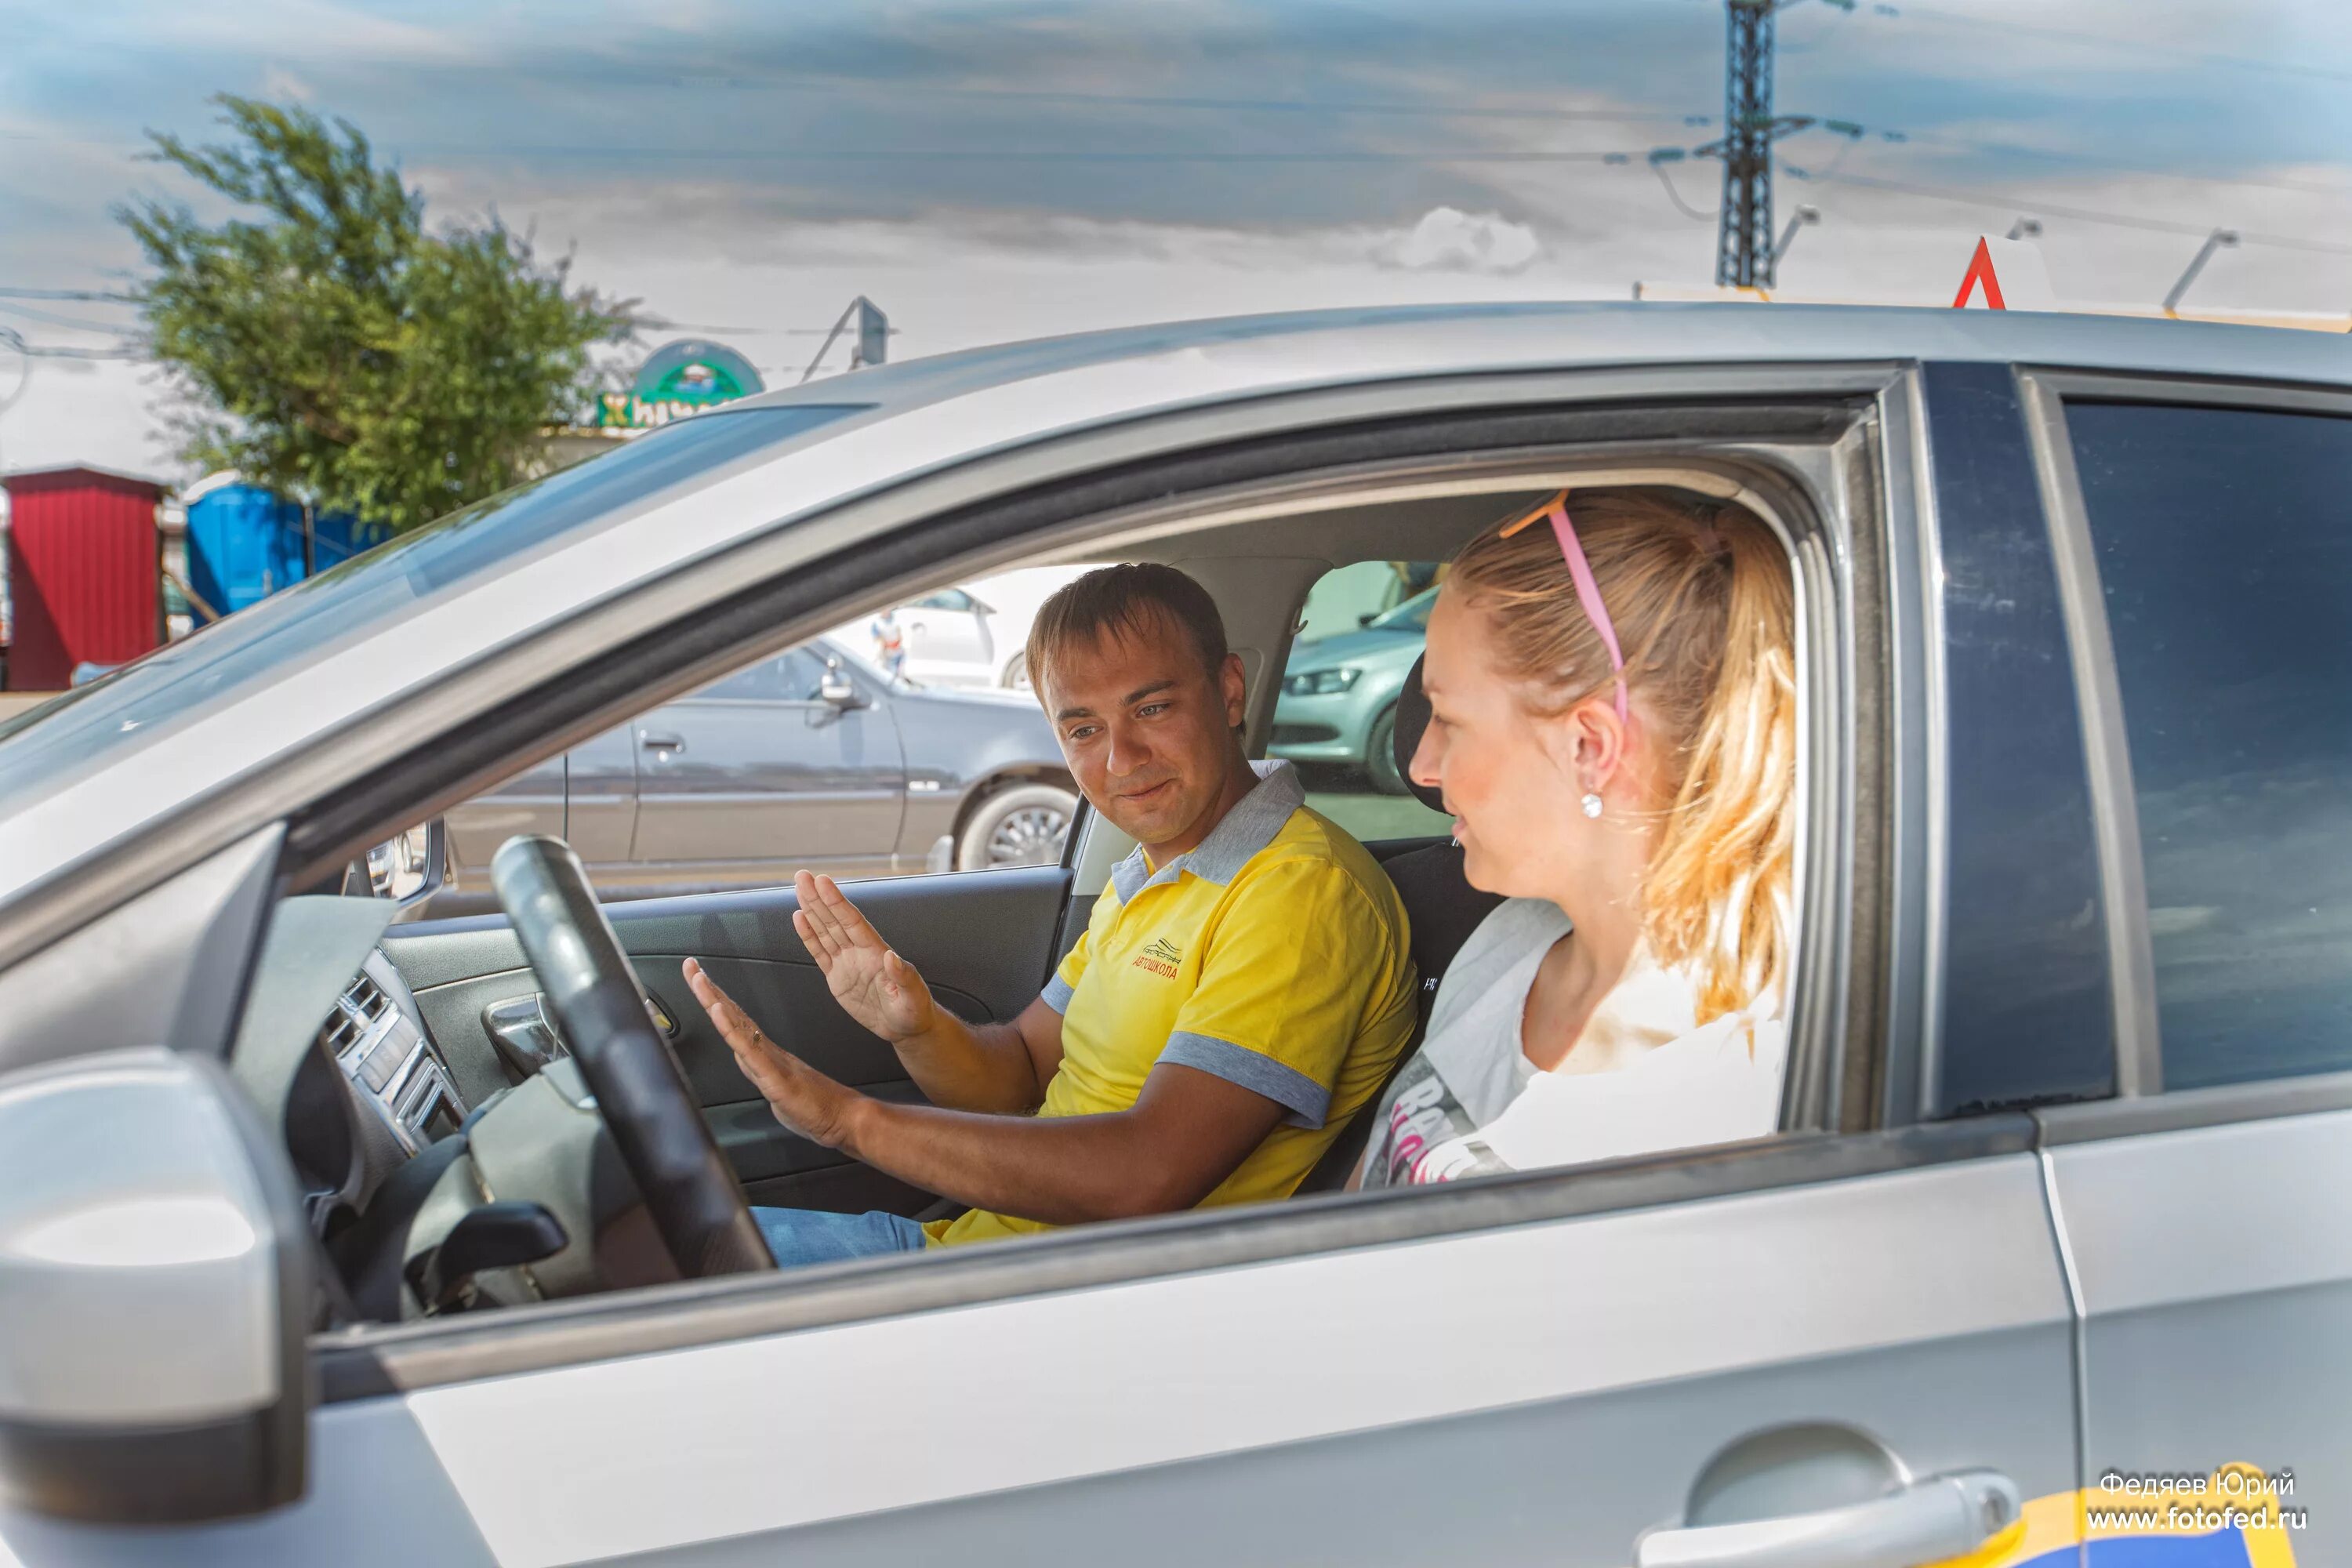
889	643
1242	989
1612	723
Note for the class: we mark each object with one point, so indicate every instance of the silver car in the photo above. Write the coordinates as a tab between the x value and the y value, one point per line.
1338	702
330	1234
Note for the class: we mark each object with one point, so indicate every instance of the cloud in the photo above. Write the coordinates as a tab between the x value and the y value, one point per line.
1447	239
282	85
994	169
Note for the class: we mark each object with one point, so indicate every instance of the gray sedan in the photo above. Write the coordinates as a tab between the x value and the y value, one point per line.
811	757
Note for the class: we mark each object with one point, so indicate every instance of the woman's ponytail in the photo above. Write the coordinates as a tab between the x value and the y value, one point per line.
1719	889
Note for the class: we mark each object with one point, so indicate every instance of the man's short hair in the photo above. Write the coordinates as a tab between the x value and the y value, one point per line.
1125	601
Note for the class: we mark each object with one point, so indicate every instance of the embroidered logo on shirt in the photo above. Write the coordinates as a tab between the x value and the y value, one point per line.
1161	958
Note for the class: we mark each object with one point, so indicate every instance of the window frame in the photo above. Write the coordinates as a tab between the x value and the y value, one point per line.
2139	1059
1865	954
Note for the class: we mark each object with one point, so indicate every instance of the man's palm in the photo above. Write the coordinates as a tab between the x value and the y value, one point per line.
873	984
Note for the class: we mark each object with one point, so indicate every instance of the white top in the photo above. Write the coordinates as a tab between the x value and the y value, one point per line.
1644	1075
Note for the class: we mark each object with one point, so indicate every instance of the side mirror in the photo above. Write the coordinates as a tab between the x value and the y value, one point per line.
408	867
1367	617
155	1296
837	688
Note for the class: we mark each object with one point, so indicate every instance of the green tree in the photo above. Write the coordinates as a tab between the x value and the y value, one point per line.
334	350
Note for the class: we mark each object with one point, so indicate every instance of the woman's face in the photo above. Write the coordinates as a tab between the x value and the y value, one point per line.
1510	777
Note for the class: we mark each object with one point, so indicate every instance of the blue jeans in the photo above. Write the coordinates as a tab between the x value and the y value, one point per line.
799	1237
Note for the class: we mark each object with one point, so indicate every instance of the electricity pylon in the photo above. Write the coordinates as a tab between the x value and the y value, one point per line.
1743	245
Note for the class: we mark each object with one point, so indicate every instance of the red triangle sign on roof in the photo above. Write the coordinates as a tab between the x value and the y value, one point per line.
1980	273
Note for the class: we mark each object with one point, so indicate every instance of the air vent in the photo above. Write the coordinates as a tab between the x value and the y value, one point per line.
368	999
354	1014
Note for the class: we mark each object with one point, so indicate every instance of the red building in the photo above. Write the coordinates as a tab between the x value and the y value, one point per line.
84	572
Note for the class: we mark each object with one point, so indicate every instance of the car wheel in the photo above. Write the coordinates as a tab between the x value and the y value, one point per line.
1379	756
1024	825
1016	673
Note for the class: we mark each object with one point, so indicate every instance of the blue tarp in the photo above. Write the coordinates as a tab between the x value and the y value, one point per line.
245	543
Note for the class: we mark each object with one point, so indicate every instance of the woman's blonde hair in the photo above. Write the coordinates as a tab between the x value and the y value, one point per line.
1705	611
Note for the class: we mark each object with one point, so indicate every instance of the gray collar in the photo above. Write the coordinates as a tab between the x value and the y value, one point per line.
1244	830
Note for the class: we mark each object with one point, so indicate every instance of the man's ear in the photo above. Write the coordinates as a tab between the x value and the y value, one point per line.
1235	688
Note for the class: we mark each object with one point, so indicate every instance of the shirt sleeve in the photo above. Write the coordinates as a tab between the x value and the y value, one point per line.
1293	967
1068	973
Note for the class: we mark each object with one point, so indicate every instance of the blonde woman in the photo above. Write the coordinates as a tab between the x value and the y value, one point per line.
1612	723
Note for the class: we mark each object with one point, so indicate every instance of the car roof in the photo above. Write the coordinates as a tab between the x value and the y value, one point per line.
1594	332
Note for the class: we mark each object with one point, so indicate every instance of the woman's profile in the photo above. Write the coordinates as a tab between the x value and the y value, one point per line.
1613	723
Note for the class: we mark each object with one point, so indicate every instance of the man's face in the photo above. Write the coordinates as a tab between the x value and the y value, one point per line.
1147	731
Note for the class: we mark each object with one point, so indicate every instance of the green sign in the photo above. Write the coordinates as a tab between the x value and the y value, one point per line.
678	379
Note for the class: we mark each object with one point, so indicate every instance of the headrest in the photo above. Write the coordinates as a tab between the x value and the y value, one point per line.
1412	718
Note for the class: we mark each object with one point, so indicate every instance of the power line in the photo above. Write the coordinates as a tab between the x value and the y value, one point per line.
67	294
14	339
1658	166
970	155
51	318
1967	197
601	71
1854	131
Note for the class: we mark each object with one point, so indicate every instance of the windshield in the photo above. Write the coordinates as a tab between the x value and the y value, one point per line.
1412	616
247	648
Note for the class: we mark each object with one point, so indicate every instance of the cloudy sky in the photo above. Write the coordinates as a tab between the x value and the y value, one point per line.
994	170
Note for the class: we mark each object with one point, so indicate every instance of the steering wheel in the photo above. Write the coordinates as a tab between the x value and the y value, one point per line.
696	1203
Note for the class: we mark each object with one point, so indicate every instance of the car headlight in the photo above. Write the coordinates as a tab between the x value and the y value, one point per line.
1319	682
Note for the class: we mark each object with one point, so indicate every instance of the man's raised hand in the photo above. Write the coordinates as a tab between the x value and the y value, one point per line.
803	1099
873	984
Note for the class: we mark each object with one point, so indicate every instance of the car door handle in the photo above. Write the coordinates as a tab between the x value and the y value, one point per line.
525	1035
661	741
1927	1521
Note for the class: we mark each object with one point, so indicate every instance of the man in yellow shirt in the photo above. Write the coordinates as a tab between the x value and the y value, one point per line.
1242	989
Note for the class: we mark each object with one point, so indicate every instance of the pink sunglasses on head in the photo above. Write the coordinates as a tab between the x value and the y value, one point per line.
1587	591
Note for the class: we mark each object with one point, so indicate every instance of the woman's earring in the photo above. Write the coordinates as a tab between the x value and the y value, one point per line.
1591	804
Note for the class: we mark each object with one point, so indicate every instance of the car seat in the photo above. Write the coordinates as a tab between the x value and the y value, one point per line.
1444	910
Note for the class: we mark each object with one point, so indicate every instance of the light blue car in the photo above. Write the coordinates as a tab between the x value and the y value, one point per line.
1339	694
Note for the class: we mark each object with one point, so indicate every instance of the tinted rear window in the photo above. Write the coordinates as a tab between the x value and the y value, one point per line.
2224	545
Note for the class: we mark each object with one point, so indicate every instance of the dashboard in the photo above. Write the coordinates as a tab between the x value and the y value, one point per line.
369	1094
390	1153
383	1049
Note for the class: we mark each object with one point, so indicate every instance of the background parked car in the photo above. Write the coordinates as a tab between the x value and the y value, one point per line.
811	758
1339	694
969	635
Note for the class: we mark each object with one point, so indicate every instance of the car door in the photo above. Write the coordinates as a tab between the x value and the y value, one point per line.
984	941
1823	1336
1506	1377
759	774
2206	1207
533	801
600	805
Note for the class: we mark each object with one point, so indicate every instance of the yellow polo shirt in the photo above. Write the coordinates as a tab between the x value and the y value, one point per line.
1273	955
